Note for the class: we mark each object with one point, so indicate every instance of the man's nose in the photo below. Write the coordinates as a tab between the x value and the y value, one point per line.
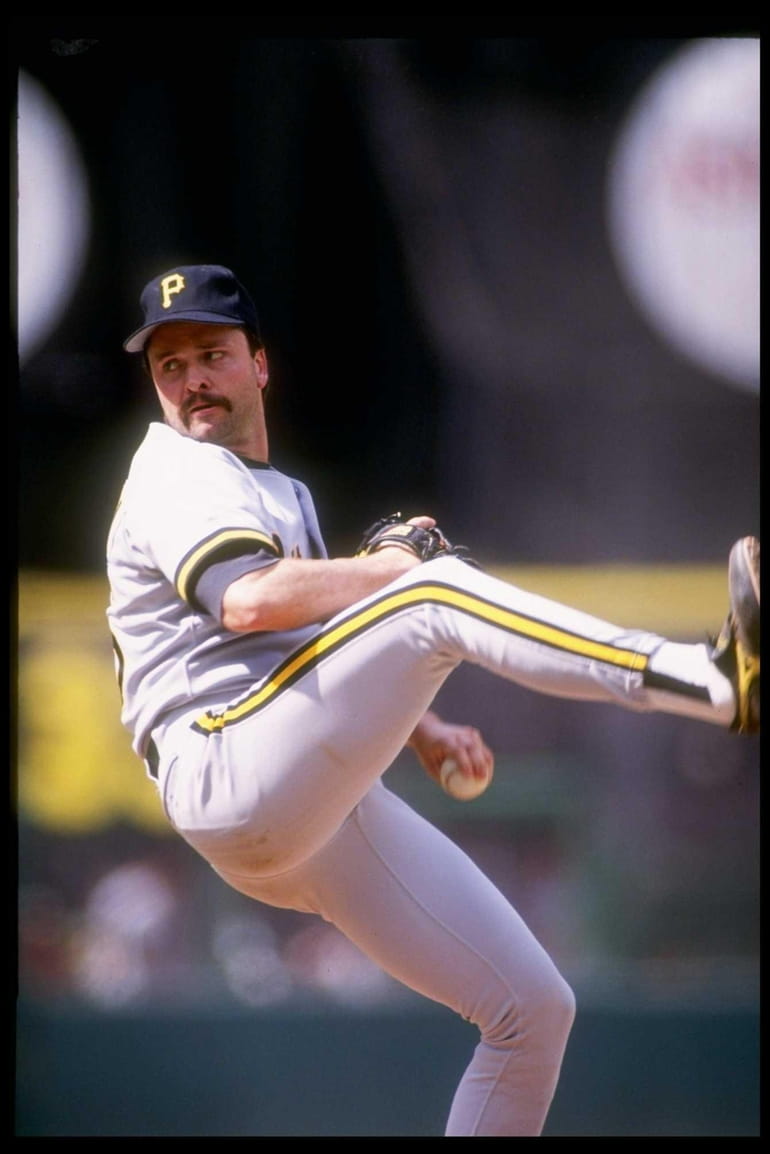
196	379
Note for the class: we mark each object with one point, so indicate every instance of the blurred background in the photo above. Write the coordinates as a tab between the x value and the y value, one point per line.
512	282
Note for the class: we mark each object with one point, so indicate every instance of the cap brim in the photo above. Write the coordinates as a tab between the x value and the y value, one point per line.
137	341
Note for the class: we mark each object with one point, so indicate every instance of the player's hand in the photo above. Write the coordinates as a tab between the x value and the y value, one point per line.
434	740
422	522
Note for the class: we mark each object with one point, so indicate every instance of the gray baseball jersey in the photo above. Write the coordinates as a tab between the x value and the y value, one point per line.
192	517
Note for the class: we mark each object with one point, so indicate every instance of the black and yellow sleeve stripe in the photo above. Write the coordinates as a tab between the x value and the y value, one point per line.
333	638
222	545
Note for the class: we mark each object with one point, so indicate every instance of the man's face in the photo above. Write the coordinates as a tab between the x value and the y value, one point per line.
209	383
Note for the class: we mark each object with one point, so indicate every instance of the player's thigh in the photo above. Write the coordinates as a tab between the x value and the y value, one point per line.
416	904
283	767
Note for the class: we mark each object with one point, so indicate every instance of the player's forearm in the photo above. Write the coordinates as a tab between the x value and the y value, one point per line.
428	725
294	592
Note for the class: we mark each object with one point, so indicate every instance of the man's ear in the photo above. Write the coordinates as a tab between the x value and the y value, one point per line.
263	376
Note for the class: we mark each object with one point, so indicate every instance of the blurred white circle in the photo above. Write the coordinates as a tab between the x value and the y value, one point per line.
53	215
684	205
131	900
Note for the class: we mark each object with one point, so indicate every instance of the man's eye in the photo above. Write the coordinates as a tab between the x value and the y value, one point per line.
215	354
170	366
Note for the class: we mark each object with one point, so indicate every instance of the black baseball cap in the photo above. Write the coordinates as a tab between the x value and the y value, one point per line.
206	293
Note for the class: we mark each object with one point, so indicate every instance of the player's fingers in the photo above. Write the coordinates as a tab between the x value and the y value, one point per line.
473	756
482	757
481	763
423	522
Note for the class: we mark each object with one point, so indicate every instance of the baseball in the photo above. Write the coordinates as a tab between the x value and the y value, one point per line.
458	785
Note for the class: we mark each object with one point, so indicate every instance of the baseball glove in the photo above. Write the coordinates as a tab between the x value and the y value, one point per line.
424	543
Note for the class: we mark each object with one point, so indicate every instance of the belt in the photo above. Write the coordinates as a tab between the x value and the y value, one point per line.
152	759
160	725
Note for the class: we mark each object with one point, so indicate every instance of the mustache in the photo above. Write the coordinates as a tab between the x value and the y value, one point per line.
202	399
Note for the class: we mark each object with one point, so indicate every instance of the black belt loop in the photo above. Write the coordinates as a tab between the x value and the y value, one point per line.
152	758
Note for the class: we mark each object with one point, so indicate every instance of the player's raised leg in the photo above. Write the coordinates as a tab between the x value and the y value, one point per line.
352	696
554	649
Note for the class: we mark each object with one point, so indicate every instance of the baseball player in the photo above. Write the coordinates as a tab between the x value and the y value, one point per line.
269	687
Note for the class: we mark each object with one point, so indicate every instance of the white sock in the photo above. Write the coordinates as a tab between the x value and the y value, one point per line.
682	679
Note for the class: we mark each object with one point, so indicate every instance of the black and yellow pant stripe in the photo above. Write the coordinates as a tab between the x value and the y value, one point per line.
334	637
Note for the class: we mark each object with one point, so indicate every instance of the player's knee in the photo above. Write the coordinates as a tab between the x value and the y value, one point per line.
543	1015
556	1011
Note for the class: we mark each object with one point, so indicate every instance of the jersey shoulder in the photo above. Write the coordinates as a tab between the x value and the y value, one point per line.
166	460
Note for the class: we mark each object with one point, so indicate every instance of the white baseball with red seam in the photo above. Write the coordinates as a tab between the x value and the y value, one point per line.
461	786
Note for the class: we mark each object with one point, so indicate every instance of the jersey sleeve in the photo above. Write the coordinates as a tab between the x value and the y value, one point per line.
224	556
210	587
195	509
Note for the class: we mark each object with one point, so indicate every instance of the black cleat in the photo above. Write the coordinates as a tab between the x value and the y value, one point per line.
736	649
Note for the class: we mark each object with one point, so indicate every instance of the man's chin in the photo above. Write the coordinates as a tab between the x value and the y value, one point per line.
206	425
